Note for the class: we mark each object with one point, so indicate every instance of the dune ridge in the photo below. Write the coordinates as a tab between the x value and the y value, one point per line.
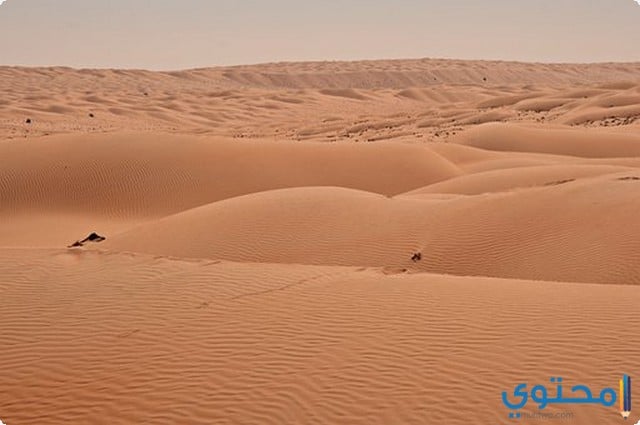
371	242
142	175
332	226
320	101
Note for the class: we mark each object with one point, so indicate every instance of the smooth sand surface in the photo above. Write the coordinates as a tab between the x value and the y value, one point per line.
377	242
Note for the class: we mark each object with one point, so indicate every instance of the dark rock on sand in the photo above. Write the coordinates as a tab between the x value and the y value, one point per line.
93	237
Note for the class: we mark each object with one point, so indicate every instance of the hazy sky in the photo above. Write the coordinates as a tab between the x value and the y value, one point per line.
174	34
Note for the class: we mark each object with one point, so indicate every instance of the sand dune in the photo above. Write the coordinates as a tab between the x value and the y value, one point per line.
373	242
120	339
559	141
149	175
569	237
282	100
509	179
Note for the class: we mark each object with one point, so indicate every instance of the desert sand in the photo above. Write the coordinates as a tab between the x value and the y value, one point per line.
376	242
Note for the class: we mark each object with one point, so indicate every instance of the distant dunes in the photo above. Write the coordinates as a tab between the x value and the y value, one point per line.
366	243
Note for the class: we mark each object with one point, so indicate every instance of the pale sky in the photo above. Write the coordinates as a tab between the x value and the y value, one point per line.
177	34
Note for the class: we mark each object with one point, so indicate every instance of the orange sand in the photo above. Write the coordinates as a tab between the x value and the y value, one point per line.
262	228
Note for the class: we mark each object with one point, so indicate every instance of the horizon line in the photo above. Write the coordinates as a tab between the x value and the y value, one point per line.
323	61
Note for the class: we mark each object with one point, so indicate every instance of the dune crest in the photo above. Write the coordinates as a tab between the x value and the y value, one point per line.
372	242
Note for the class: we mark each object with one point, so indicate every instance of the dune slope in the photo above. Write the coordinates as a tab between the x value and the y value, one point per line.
120	339
129	175
582	231
371	242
